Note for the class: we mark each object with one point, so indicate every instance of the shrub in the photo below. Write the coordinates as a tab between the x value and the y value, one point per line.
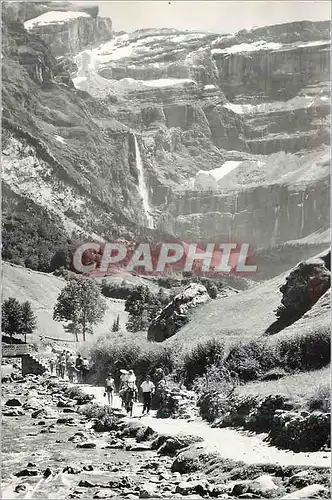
309	351
105	423
203	356
108	357
260	418
320	399
95	410
250	360
215	389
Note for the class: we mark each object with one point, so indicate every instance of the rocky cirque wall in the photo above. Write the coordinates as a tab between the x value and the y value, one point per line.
201	100
262	216
193	100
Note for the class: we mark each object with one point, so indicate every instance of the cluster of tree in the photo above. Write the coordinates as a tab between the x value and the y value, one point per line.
81	305
212	285
116	290
17	318
143	306
34	239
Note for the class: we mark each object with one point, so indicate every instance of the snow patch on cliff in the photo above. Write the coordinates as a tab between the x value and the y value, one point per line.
248	47
317	43
209	179
298	102
60	139
166	82
53	17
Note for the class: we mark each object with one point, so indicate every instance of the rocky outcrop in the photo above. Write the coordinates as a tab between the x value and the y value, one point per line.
301	432
70	34
304	286
176	313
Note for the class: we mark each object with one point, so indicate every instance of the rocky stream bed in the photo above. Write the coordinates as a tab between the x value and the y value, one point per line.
51	449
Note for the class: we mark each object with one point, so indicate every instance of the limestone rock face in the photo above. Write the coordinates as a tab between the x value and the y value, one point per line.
175	314
194	101
68	32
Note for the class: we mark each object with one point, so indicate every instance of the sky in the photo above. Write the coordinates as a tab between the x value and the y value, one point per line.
215	16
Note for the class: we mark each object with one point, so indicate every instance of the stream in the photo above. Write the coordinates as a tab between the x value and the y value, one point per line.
40	459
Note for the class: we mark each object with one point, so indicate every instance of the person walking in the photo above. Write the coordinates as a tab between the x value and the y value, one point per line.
131	378
85	370
109	389
71	369
57	365
79	366
123	379
62	364
147	388
52	363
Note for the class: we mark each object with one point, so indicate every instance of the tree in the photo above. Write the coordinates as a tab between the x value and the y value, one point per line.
143	306
80	303
11	317
116	324
28	319
72	328
136	306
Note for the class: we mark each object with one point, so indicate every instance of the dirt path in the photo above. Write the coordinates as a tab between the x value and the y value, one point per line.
229	443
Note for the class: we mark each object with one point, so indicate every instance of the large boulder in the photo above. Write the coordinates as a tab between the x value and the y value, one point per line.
13	402
312	491
176	313
306	283
192	459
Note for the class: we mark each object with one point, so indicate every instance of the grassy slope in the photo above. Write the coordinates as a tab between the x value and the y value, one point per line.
300	385
246	314
42	290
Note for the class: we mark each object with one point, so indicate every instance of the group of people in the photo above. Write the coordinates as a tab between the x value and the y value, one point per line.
128	391
75	367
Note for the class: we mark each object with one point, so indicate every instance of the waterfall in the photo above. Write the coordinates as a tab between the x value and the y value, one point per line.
142	189
302	215
274	236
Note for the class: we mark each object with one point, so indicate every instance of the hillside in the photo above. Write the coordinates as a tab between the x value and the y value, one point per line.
247	315
42	290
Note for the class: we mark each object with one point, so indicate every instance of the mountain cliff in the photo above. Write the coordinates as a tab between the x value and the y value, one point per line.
79	99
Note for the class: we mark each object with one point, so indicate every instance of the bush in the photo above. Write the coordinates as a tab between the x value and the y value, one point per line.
309	351
95	410
105	423
110	358
203	356
215	389
320	399
250	360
